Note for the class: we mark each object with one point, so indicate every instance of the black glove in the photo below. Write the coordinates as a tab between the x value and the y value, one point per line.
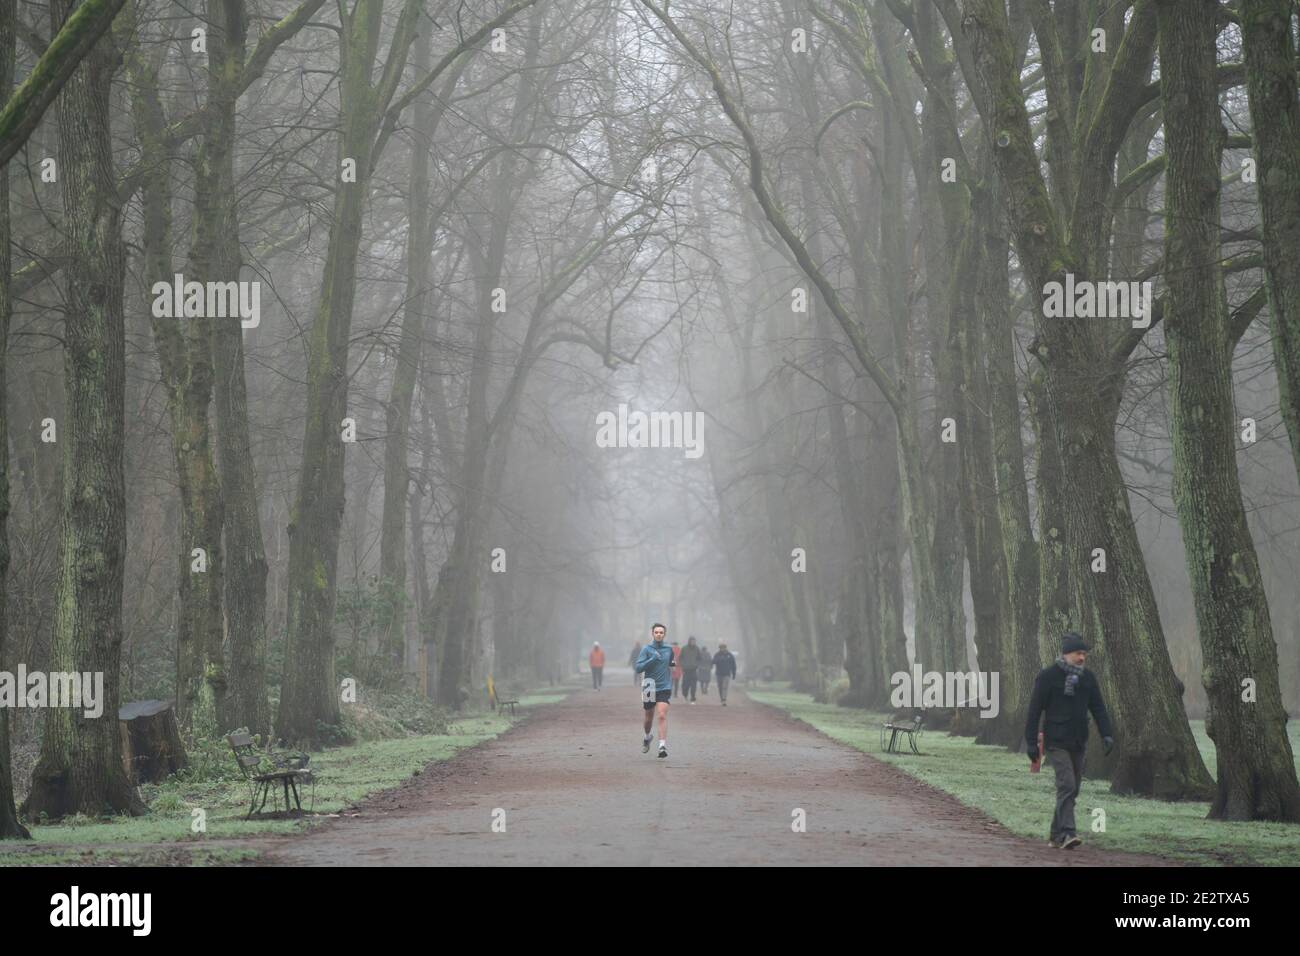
1107	745
1033	753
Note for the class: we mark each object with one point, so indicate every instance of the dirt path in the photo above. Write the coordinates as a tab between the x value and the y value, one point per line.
576	789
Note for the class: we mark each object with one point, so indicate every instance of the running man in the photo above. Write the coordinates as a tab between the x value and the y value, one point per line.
656	662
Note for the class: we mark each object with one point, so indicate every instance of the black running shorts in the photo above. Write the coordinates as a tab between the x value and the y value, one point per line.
661	697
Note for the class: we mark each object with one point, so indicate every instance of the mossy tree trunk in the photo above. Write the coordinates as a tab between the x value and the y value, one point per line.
80	764
184	348
1269	50
70	42
1256	769
1157	754
996	636
215	256
10	827
1021	658
309	702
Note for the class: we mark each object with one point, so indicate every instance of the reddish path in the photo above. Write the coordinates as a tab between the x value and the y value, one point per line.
576	789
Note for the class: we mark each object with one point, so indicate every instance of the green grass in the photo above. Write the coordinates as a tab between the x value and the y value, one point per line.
345	776
1000	784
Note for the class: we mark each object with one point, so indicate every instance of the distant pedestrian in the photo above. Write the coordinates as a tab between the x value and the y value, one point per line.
597	661
690	668
677	667
724	669
631	661
704	670
1065	692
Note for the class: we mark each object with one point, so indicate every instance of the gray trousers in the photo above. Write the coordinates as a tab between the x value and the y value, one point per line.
1068	766
722	686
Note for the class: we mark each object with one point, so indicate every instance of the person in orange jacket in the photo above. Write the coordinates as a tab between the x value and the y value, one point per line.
677	667
597	661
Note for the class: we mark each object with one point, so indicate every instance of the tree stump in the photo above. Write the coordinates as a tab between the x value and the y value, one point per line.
151	742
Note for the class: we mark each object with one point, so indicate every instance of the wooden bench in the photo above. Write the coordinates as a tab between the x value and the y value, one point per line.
288	769
895	731
497	700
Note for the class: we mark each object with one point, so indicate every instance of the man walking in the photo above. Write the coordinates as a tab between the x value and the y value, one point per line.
704	670
597	661
656	661
677	668
724	669
690	668
1065	692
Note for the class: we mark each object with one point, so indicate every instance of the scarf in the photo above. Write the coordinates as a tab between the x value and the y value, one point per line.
1073	672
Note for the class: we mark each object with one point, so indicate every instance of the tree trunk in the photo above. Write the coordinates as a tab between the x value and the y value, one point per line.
417	304
986	560
419	559
309	699
1157	754
152	749
1256	770
185	361
1270	54
9	825
455	600
419	246
1020	658
69	43
80	765
215	256
885	503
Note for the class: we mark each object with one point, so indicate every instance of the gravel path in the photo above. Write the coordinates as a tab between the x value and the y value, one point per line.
576	789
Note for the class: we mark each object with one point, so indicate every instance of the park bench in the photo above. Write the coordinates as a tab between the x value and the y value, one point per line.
499	702
288	769
896	731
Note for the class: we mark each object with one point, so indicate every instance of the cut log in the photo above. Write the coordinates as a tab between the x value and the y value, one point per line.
151	741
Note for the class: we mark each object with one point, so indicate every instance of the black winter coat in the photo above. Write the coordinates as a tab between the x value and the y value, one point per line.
1065	723
724	664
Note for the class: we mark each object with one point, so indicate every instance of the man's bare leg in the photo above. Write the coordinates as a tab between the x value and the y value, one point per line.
662	708
649	720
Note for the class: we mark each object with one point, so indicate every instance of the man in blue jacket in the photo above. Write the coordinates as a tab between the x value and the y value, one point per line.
1064	694
656	663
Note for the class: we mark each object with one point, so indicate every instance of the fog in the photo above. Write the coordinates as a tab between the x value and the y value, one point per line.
560	319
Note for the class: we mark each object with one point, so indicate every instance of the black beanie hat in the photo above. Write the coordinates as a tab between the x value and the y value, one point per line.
1071	642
